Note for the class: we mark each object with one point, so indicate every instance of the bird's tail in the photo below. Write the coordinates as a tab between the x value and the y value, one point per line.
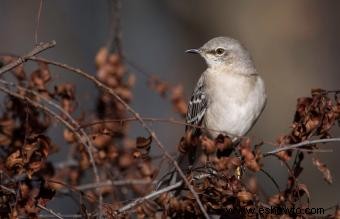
185	162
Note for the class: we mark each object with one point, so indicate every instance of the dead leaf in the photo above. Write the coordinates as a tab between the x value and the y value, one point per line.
303	188
144	143
244	196
324	170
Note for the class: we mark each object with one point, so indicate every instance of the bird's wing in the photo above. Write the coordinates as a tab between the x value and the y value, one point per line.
197	105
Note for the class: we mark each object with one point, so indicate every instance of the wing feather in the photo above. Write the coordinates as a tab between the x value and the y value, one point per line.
197	104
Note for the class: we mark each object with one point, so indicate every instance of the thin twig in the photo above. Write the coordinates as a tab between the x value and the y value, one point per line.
63	215
49	211
147	197
12	191
301	144
333	91
115	35
272	179
315	150
38	49
38	22
108	183
115	183
151	119
137	116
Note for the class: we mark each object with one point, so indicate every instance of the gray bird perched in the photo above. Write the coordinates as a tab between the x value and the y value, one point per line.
230	95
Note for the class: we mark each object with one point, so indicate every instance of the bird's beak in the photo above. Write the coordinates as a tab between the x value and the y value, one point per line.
196	51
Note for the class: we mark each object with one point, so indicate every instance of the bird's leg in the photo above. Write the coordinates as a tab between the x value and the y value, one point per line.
238	171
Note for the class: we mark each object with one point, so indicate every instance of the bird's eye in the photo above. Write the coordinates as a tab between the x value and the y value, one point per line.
219	51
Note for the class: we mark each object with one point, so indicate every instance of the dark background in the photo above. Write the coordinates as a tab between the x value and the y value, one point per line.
294	44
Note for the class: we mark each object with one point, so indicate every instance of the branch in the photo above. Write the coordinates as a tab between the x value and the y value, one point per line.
104	184
150	119
49	211
137	116
147	197
157	193
65	216
38	22
38	49
301	144
115	34
114	183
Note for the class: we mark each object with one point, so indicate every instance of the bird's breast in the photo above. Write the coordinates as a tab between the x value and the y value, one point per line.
235	102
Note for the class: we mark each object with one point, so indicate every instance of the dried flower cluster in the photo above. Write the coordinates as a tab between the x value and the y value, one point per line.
225	178
314	117
25	145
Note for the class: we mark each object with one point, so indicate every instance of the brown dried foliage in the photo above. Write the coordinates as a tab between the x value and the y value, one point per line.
225	177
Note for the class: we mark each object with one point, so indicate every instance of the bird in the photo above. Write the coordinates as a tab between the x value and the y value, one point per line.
229	96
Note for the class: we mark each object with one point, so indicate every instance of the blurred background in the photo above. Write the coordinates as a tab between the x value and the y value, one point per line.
294	44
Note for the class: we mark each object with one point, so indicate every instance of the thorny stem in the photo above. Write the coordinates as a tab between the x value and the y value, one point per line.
138	117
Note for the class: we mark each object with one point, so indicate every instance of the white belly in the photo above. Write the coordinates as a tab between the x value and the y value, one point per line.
234	106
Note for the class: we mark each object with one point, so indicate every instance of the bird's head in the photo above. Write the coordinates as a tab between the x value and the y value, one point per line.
224	52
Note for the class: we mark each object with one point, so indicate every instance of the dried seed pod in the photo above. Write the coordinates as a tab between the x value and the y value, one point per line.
102	56
69	136
324	170
101	140
276	200
158	86
252	185
146	169
178	100
114	59
112	152
207	145
337	213
125	160
227	163
223	143
144	143
247	153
